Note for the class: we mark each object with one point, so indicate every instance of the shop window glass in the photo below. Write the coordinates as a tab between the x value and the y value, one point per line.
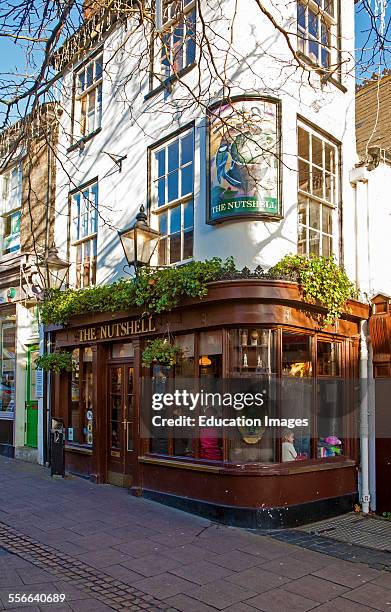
330	418
122	350
8	369
328	358
252	357
296	355
80	419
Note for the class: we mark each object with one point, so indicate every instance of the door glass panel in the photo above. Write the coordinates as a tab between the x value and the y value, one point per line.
32	390
129	407
115	409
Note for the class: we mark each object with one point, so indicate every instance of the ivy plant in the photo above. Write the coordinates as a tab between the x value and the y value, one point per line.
321	280
55	362
152	290
160	351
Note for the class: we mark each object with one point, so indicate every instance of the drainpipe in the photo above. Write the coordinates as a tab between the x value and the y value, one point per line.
364	418
359	181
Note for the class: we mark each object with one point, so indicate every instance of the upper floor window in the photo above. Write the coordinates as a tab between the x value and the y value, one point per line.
88	98
84	233
176	47
317	192
11	208
173	197
316	31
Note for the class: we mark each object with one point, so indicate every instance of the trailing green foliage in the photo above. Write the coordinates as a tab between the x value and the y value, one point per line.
160	351
153	291
55	362
322	281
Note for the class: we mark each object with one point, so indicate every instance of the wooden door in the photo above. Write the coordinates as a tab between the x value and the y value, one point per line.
120	424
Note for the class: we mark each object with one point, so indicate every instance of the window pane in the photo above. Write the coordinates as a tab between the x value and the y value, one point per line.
188	244
313	23
187	180
317	151
90	74
301	15
82	81
188	215
329	158
187	148
163	229
317	182
162	252
327	215
303	143
302	210
314	243
173	186
328	358
190	38
296	355
161	192
98	69
173	156
326	246
175	248
314	210
304	176
302	240
160	157
175	220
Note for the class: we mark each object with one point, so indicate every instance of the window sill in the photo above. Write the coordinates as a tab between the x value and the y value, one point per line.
76	448
82	141
251	469
324	75
168	83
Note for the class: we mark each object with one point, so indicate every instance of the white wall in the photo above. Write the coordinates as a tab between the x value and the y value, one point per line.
131	124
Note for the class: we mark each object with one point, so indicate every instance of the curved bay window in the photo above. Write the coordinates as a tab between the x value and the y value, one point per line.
304	407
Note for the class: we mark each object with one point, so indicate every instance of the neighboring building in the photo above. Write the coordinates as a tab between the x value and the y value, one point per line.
27	189
371	179
131	141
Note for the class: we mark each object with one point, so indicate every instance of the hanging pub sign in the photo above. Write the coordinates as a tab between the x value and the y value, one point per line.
244	160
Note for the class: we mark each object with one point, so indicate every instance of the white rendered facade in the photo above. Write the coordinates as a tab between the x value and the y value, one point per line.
259	62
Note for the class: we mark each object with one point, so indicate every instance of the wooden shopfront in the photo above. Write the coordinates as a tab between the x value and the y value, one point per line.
241	329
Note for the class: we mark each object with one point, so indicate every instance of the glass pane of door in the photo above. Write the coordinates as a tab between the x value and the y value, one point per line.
129	408
115	413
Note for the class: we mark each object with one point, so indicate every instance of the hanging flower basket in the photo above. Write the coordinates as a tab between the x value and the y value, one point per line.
56	362
160	351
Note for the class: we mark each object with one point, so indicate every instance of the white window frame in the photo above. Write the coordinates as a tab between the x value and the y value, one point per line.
11	203
170	205
88	120
175	13
84	213
306	198
305	39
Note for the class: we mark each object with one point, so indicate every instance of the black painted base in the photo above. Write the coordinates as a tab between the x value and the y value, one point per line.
259	518
7	450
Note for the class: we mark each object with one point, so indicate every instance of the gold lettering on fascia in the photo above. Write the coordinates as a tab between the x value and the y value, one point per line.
117	330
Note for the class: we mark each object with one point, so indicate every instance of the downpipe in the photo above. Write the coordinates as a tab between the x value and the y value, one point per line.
364	418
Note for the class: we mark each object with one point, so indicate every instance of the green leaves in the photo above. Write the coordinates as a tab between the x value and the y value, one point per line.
160	351
153	291
321	280
55	362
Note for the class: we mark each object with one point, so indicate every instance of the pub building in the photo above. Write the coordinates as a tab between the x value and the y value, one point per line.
243	329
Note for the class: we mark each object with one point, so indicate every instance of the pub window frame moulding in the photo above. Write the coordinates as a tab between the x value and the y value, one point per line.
162	206
307	198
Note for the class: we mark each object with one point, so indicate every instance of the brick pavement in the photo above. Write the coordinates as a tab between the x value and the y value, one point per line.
105	549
